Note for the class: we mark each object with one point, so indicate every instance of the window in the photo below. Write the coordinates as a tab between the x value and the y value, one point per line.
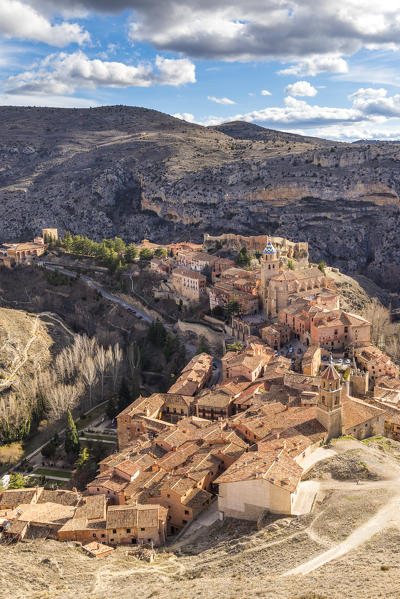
94	534
186	511
98	489
128	530
184	521
111	540
168	495
142	529
114	531
102	535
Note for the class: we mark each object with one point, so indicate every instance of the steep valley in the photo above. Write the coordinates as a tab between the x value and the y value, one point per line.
139	173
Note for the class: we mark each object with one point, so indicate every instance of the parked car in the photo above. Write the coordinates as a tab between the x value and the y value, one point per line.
299	351
131	310
276	353
325	359
339	361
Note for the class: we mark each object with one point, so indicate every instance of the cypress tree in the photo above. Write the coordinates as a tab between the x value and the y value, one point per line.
72	444
112	406
124	396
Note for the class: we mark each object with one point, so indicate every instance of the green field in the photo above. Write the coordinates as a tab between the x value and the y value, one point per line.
49	472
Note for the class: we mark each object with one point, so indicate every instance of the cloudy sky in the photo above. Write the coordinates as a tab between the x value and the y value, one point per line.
319	67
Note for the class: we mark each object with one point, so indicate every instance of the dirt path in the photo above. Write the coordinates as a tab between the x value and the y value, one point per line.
364	532
59	321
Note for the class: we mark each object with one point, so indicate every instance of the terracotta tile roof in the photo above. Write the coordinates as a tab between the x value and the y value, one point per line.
45	513
144	405
94	508
60	496
128	467
213	399
276	467
174	459
133	516
97	549
197	499
330	373
190	274
356	411
14	497
301	382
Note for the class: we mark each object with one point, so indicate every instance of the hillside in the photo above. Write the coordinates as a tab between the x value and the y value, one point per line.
140	173
28	343
235	559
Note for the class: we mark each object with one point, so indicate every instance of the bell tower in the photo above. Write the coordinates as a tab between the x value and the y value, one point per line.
329	407
269	268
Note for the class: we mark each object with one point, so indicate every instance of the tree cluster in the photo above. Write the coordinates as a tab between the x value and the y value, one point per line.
76	379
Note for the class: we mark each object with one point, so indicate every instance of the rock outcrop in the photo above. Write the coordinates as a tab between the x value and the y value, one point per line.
139	174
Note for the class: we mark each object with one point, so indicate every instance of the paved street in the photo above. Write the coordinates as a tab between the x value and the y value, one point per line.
106	294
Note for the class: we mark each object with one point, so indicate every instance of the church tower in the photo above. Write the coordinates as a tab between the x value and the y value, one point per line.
329	407
269	268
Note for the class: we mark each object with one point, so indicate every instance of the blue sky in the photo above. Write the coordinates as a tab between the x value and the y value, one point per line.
320	68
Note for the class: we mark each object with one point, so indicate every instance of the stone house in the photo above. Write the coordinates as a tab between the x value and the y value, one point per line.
376	362
189	283
311	361
194	376
224	292
336	330
197	261
132	524
256	482
129	426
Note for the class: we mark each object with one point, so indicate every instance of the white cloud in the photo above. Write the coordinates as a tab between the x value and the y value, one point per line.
313	65
47	101
175	71
265	92
375	103
300	88
371	110
24	22
313	37
61	74
185	116
369	92
225	101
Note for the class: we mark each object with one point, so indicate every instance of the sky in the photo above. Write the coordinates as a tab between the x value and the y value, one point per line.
324	68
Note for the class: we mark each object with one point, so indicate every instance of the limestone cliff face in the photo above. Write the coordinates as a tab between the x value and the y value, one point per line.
140	174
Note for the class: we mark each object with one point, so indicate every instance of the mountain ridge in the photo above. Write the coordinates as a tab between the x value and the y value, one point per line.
139	173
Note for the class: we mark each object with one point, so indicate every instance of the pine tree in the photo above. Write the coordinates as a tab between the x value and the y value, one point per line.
131	253
72	444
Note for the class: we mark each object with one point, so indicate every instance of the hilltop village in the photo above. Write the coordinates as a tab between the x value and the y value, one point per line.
241	430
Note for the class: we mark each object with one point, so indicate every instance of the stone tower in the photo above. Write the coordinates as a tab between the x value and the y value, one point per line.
359	383
269	268
329	407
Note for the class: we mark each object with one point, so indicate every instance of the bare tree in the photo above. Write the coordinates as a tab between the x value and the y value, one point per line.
115	361
89	373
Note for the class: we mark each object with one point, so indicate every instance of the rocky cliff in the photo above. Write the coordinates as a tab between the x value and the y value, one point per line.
139	173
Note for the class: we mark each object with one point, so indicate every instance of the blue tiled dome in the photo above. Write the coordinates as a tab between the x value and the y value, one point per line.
269	249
